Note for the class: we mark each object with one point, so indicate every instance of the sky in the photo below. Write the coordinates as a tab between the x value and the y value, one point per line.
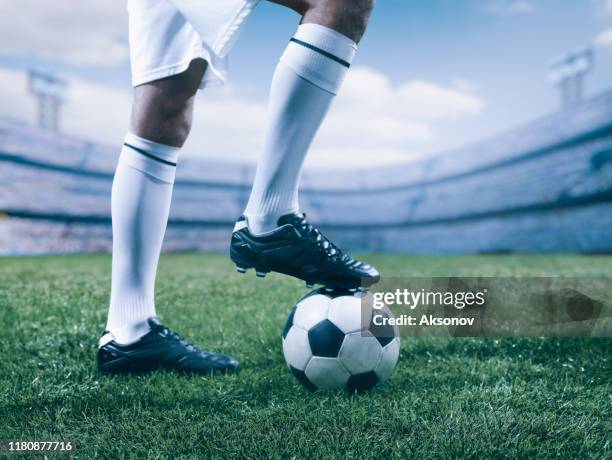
429	76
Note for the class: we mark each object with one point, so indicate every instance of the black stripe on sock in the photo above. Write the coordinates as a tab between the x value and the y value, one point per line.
148	155
322	52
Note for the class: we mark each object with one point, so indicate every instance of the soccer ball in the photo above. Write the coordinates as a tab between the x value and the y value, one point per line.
330	342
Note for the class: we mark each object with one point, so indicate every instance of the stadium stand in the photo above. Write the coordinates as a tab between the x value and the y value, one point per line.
542	187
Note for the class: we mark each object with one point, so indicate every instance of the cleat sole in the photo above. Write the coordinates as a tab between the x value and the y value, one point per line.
287	251
241	269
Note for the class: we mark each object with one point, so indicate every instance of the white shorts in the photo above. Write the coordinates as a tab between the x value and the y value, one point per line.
166	35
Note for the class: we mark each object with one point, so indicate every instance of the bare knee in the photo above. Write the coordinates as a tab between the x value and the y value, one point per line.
349	17
161	115
162	110
355	12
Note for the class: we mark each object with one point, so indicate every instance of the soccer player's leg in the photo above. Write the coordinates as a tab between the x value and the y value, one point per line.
273	235
134	340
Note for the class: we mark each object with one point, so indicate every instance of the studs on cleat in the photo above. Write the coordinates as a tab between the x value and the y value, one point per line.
260	274
309	285
329	289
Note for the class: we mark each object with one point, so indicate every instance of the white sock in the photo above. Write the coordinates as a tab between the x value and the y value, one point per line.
305	82
141	195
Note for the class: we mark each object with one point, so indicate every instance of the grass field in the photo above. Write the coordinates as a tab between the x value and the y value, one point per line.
447	398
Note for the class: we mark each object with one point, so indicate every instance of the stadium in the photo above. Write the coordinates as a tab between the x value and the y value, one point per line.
532	203
543	187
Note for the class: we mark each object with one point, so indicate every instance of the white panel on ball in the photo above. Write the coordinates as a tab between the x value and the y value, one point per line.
388	360
326	373
360	352
311	310
345	312
296	348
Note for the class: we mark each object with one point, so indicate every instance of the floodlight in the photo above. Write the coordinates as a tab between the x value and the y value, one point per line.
50	92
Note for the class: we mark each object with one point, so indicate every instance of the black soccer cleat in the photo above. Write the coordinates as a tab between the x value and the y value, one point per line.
298	249
160	348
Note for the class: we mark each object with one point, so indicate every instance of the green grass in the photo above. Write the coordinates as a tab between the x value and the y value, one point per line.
447	398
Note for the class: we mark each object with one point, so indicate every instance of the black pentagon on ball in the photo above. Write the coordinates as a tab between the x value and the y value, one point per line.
325	339
362	382
301	377
289	322
384	333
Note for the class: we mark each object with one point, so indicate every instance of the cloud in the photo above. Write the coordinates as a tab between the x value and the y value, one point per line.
227	125
92	32
604	38
371	118
510	7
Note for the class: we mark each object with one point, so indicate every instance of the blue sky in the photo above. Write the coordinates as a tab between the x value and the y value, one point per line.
429	75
